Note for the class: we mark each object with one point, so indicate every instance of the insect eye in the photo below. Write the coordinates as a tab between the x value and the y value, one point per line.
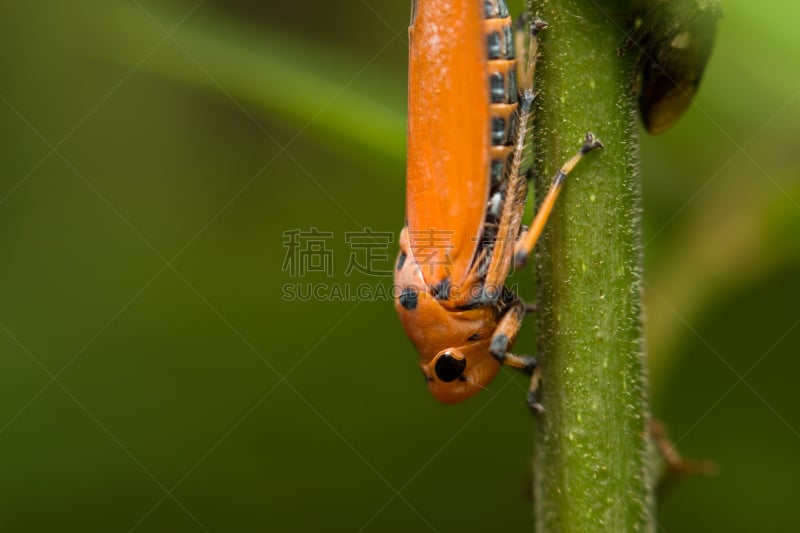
448	367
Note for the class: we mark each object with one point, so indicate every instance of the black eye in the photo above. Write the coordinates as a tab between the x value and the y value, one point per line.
449	368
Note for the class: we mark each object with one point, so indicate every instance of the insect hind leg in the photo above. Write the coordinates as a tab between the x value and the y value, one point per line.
526	66
512	209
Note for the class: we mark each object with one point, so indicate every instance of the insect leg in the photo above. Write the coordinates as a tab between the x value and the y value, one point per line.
528	241
504	335
516	181
511	214
533	398
527	66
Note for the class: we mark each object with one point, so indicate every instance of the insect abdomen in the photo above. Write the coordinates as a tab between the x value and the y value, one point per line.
501	67
501	71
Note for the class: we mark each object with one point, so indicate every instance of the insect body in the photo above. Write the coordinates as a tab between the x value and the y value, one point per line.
470	104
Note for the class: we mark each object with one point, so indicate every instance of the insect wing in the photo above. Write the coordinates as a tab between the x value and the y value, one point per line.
447	181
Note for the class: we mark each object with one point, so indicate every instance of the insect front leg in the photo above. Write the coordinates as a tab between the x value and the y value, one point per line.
503	336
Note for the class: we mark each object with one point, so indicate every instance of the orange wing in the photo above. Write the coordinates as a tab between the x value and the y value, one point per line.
447	182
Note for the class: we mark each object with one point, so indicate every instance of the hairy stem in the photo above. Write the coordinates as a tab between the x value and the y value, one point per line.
590	464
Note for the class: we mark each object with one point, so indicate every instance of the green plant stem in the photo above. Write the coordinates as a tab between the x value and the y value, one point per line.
590	464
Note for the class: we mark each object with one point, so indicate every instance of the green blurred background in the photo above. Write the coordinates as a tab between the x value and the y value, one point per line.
153	155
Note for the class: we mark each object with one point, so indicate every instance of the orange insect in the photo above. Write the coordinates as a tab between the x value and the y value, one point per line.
469	107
